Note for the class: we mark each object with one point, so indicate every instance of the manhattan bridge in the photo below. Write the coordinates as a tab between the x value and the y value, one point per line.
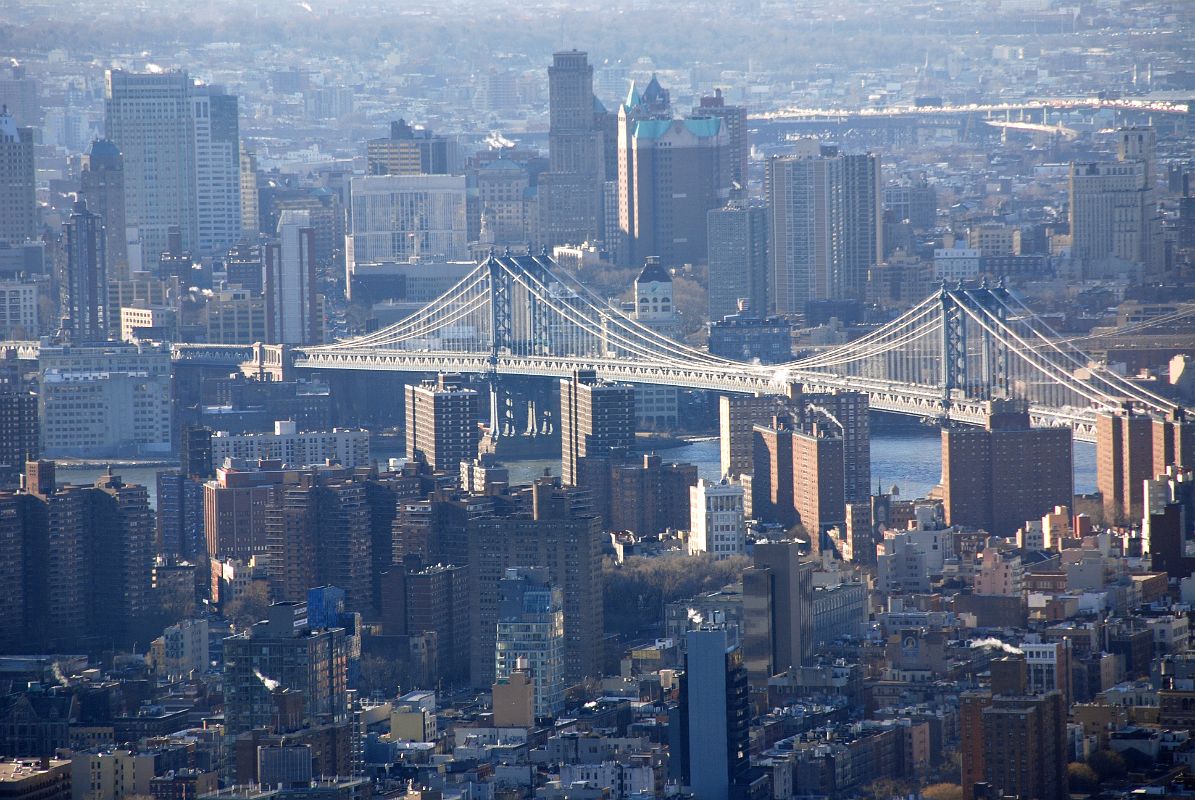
523	316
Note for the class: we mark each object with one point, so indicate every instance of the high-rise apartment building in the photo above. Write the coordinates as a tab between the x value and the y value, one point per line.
410	151
597	420
101	184
825	226
318	533
217	169
777	611
12	573
85	299
554	533
671	174
1114	219
58	569
293	310
19	318
1020	750
738	259
343	446
19	216
714	716
1124	460
120	555
250	208
431	599
283	653
407	217
179	517
441	418
530	635
151	120
996	476
571	191
234	512
20	428
798	475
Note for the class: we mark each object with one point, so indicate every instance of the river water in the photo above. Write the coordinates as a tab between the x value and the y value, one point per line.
904	455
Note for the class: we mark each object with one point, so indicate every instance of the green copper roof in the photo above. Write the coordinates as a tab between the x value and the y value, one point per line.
701	127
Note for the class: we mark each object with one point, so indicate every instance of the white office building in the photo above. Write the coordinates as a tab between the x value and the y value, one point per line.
349	448
717	524
404	217
105	400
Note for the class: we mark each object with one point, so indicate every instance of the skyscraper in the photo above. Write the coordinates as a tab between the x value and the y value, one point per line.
597	420
714	715
293	311
530	635
120	556
1114	217
1021	748
441	420
997	476
671	174
407	217
217	169
570	192
738	145
86	300
102	186
738	259
58	571
826	225
556	534
12	573
150	118
1124	459
19	219
777	610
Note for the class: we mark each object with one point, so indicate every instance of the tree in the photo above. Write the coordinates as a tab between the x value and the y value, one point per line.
250	606
1081	778
637	590
942	791
1108	764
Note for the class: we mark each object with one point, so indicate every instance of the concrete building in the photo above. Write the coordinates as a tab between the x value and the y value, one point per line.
571	191
84	305
284	654
655	307
101	184
737	246
217	150
530	635
348	448
717	524
293	310
405	217
441	418
30	779
597	420
826	225
410	151
183	650
18	310
1114	220
777	611
738	143
150	118
105	400
714	715
19	215
997	476
671	174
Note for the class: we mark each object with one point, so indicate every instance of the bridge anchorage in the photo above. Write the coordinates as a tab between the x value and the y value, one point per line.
940	360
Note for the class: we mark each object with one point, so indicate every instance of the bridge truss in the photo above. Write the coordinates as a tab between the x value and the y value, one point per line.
941	359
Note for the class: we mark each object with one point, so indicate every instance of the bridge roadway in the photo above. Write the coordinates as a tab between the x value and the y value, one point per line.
909	399
927	402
